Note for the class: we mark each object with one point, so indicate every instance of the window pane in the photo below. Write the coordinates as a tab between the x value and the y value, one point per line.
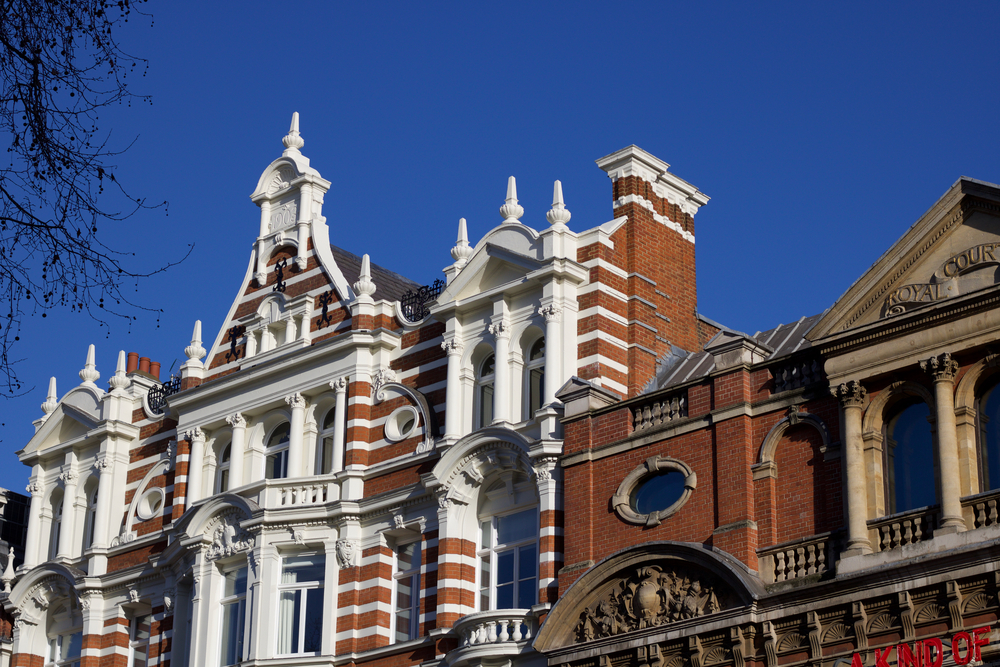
288	623
303	568
408	557
536	382
484	583
314	620
911	453
537	350
279	436
326	465
505	596
73	645
225	454
505	567
488	367
486	531
527	562
331	416
232	632
527	590
989	420
224	480
658	492
142	628
236	582
276	467
485	405
517	527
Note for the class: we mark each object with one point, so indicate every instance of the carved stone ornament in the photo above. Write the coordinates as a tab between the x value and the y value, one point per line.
125	537
195	434
133	595
650	597
500	329
942	368
228	538
283	216
339	385
103	465
296	401
34	488
347	552
69	477
850	394
550	312
236	421
168	599
453	346
397	521
382	376
298	537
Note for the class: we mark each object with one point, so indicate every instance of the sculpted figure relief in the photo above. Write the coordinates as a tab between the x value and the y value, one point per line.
647	598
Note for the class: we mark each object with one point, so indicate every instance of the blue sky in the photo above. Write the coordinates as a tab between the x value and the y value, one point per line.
820	131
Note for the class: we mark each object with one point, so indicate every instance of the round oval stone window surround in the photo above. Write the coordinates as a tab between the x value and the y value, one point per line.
150	504
401	424
654	490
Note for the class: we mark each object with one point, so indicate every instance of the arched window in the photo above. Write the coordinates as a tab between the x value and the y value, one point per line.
508	543
222	472
90	520
65	635
276	453
534	373
56	524
988	416
325	463
484	391
909	459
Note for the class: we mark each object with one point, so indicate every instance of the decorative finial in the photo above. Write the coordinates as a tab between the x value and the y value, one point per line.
8	572
511	211
462	250
118	380
558	215
195	351
293	141
365	286
89	374
52	400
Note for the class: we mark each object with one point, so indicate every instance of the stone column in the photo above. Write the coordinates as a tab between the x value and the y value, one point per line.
852	399
501	378
339	423
944	369
295	429
34	524
552	315
68	528
453	392
548	477
105	487
196	461
236	449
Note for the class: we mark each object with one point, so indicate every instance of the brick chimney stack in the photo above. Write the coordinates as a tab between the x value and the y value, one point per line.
655	249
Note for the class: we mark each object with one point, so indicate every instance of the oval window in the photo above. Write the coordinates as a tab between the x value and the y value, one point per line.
401	424
658	492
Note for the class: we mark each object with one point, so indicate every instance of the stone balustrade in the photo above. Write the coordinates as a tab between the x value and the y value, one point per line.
981	509
797	374
281	493
903	528
659	411
501	626
796	559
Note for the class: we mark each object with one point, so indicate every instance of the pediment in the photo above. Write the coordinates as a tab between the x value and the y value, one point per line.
951	251
653	586
76	415
491	267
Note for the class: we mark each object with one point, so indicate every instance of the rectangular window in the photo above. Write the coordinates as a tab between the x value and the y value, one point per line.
536	384
508	557
485	405
64	650
300	604
407	592
138	645
234	606
276	466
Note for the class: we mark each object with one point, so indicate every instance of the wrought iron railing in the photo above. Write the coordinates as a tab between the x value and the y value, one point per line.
903	528
158	394
797	559
415	302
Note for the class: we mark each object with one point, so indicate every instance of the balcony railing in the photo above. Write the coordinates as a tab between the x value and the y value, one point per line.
981	509
796	559
492	628
660	411
801	373
298	492
899	530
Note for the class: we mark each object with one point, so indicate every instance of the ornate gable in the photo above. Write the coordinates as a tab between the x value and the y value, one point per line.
953	250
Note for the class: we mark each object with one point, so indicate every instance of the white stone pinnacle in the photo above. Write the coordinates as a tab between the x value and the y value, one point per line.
365	286
52	400
293	141
119	380
462	250
511	211
89	374
195	351
558	215
8	573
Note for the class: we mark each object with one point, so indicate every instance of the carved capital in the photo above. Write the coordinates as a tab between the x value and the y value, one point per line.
339	385
296	401
347	552
69	477
444	502
551	313
34	489
382	377
544	468
103	465
500	329
850	394
195	434
453	347
236	421
942	367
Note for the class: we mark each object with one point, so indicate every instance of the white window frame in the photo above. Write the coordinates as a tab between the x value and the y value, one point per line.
484	380
530	366
55	528
493	550
310	588
223	468
133	643
56	647
413	574
279	449
325	440
89	520
239	599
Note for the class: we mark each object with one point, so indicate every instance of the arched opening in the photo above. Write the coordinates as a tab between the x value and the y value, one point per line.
64	632
508	543
910	479
988	427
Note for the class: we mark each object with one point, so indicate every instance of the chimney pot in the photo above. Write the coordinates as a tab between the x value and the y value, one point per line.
133	362
154	369
144	364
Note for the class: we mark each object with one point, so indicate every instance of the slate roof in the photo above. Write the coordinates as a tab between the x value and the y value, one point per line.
681	366
389	285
